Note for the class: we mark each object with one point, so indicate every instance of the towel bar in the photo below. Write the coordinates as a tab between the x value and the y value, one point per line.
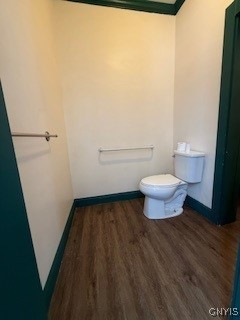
125	149
46	135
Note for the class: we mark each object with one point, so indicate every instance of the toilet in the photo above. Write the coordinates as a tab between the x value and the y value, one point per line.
165	193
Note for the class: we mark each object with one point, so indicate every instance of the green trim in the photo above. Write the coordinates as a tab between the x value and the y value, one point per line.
237	7
202	209
21	292
138	5
194	204
84	202
53	274
227	175
178	4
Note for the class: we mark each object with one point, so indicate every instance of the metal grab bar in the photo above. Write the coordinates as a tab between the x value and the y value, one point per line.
46	135
125	149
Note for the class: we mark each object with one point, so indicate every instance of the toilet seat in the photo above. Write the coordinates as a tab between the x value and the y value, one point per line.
161	181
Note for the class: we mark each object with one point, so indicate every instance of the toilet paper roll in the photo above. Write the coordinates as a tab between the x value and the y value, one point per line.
181	146
188	148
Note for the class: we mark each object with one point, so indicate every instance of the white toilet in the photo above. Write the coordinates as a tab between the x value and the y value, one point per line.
165	193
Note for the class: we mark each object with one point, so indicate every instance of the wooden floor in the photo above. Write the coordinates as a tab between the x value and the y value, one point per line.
120	265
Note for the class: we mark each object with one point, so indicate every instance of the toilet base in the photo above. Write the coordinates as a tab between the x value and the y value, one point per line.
171	214
167	215
158	214
158	209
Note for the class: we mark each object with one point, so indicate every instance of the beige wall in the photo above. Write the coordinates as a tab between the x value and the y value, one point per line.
117	75
199	44
117	71
34	104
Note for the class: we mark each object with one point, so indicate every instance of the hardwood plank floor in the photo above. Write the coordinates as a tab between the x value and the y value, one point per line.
120	265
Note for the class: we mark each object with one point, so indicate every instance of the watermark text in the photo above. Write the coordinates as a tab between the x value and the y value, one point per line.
216	312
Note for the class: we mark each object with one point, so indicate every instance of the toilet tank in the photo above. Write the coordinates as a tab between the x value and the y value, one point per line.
189	166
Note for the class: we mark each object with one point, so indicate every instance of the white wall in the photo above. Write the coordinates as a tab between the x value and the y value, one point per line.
117	74
34	104
117	71
199	45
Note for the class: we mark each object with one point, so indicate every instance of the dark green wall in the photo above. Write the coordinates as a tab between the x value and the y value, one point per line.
227	169
21	296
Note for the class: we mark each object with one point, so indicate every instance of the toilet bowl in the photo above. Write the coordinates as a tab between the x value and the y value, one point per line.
164	196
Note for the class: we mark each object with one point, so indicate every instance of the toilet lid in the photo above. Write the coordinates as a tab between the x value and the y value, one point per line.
161	180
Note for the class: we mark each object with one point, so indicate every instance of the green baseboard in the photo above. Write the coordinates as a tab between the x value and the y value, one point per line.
210	214
53	274
201	209
194	204
84	202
